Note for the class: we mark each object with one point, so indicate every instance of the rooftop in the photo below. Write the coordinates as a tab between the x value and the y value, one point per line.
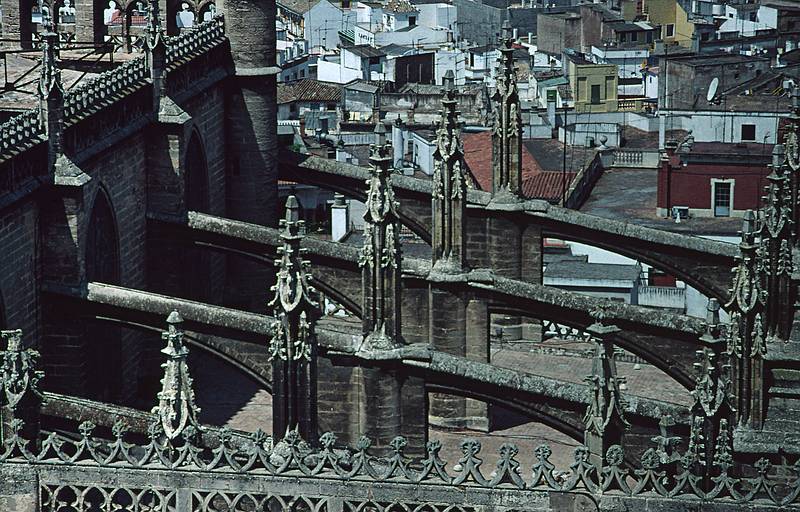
631	27
362	86
630	195
541	174
572	268
298	6
577	57
309	90
365	50
720	59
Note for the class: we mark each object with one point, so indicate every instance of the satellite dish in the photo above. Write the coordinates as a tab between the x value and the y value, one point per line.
712	89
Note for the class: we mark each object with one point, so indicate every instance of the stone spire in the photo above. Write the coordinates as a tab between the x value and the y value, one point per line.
176	406
449	187
507	129
604	421
380	256
776	236
20	398
746	347
51	95
711	408
293	345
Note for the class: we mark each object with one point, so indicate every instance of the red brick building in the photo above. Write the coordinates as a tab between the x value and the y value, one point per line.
712	179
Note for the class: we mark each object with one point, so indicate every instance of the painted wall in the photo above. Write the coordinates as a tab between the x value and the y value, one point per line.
583	78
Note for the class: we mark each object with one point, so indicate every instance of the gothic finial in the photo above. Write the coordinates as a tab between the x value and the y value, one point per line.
666	442
380	256
713	329
711	384
19	371
155	35
507	125
712	312
748	223
294	304
778	156
604	421
292	347
449	186
50	76
176	403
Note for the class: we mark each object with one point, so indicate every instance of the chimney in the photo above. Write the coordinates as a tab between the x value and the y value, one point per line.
340	221
397	141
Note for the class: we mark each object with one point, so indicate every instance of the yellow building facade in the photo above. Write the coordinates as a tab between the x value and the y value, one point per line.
594	87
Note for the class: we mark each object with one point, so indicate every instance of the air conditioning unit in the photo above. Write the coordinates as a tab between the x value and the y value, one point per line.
680	212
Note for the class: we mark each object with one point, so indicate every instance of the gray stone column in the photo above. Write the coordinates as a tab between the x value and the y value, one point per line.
504	245
448	305
477	334
251	115
504	236
17	23
448	334
89	21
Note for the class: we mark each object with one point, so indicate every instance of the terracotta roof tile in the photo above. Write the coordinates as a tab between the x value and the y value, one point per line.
536	182
309	90
547	185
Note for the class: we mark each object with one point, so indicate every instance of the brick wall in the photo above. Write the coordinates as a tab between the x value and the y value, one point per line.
20	270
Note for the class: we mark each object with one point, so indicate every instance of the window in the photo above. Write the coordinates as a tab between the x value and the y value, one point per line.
302	73
722	198
373	61
649	37
595	94
749	132
412	20
705	36
623	37
634	37
331	106
670	30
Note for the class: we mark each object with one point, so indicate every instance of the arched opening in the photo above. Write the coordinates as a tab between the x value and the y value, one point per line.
135	25
196	277
196	175
181	15
102	341
207	11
